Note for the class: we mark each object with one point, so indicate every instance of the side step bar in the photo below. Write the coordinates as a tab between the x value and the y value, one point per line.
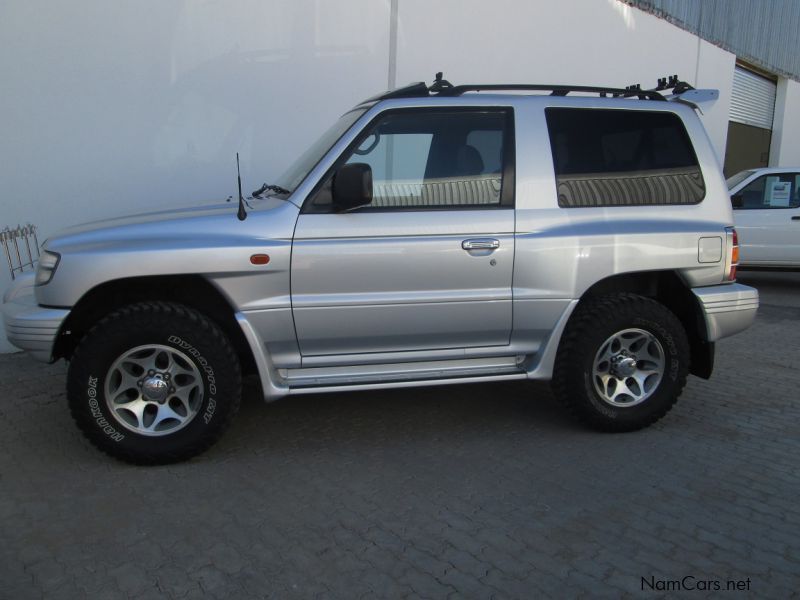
357	375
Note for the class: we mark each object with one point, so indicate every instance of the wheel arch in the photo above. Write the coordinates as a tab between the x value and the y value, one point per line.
669	289
194	291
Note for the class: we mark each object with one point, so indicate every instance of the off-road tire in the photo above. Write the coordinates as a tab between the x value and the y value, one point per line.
164	324
594	321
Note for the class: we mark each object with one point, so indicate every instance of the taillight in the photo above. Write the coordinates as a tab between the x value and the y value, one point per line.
733	257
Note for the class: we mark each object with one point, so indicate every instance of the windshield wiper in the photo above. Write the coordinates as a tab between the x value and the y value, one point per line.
270	188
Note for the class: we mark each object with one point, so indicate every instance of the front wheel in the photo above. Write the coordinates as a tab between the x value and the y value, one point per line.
622	362
154	383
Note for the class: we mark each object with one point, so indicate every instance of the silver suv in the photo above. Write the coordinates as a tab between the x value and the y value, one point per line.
433	235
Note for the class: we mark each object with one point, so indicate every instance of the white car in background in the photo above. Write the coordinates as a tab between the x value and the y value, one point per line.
766	210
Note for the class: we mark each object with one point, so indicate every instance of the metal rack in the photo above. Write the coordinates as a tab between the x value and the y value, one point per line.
442	87
12	240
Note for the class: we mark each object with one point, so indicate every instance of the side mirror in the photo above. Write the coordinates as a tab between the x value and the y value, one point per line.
737	201
352	187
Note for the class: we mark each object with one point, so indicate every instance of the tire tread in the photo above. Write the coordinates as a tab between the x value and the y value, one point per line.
129	319
597	313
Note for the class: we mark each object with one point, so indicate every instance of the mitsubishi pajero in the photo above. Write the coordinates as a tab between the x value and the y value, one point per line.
434	235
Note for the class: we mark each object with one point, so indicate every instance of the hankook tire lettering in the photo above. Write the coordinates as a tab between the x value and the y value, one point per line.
97	415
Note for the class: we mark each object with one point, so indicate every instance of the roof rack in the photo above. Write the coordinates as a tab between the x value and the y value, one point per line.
442	87
556	90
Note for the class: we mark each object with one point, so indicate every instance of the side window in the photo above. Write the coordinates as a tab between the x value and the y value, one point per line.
424	159
770	191
489	144
622	158
395	157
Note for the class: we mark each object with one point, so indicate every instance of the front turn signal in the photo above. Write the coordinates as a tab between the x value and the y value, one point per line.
46	268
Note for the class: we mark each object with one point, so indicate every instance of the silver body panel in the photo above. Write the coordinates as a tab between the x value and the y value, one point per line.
728	309
366	300
31	327
408	284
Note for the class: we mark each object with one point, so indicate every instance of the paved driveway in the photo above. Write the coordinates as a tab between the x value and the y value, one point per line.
471	491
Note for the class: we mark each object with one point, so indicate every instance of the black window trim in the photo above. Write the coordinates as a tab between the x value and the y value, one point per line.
508	177
627	110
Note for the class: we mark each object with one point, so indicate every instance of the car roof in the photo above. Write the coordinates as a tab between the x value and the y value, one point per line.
768	170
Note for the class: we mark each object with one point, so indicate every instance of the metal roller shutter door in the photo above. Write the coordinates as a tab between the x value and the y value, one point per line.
753	99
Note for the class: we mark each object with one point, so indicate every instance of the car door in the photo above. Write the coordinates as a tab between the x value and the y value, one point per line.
427	264
767	216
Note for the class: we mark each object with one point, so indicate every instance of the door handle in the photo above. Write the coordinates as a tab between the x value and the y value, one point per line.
796	218
480	244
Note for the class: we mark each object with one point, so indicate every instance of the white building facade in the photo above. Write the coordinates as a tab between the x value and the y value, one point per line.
113	108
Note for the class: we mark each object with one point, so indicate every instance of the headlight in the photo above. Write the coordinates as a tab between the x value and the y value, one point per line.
48	261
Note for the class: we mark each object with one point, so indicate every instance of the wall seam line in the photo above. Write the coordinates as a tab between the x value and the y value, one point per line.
392	73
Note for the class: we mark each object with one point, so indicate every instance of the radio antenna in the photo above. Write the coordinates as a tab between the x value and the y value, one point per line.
241	214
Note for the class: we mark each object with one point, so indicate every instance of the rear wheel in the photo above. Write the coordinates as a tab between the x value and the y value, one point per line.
622	362
154	383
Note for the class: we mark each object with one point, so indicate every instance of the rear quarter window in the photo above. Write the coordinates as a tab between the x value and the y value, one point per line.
608	157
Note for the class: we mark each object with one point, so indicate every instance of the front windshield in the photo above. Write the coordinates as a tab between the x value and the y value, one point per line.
301	167
735	180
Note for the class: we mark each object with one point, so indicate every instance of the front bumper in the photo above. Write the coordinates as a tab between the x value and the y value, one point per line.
728	308
31	327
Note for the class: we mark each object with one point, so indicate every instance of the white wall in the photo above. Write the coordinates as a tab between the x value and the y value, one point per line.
589	42
785	146
118	107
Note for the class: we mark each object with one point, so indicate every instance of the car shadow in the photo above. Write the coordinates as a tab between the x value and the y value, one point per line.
398	416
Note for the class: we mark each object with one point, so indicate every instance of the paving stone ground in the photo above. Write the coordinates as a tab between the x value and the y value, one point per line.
486	491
